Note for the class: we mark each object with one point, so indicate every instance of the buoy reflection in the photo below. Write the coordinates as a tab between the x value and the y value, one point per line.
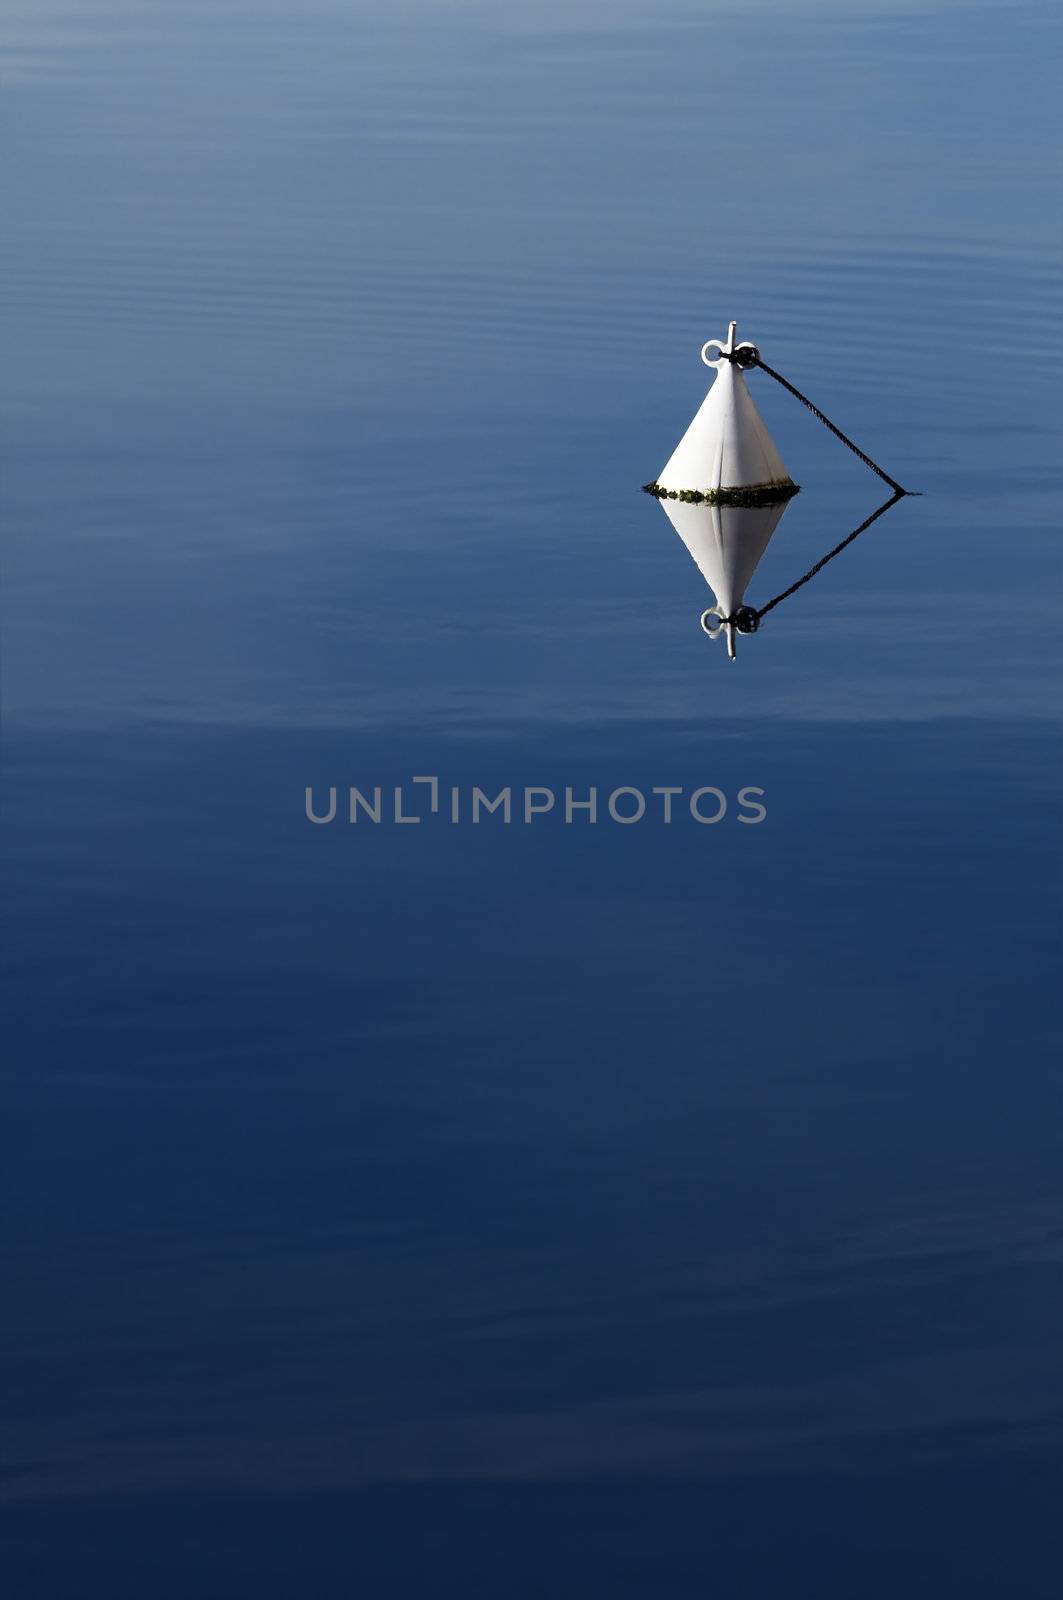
727	543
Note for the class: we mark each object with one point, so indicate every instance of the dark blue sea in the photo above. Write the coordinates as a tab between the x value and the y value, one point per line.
570	1208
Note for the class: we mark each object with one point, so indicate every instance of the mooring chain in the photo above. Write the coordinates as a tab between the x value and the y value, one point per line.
747	355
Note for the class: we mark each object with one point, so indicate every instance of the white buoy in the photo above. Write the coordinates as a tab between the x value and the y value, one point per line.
727	543
727	448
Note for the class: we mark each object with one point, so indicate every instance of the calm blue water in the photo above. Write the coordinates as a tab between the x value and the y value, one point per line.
576	1209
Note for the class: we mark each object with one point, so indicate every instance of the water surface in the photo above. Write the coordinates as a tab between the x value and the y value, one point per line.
601	1209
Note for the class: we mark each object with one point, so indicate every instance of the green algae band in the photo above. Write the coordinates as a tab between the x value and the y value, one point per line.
761	494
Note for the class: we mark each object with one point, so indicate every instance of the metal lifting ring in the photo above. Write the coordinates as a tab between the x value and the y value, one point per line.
743	355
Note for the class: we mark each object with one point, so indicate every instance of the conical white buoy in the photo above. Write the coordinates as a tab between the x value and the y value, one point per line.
727	449
727	543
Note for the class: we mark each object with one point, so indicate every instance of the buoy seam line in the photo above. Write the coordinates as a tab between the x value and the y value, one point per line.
750	356
762	611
